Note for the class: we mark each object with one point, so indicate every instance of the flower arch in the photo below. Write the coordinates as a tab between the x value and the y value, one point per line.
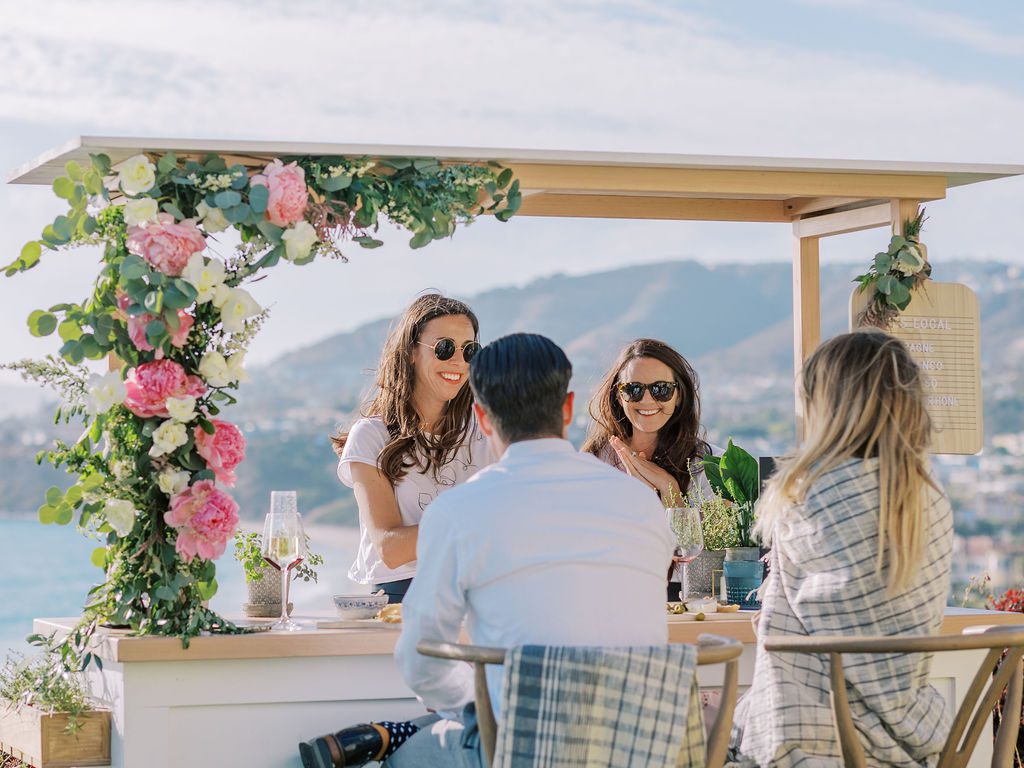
154	463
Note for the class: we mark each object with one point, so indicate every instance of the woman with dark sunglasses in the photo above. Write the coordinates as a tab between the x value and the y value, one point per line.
646	415
418	437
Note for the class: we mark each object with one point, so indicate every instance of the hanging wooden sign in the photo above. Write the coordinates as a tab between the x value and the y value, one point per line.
941	328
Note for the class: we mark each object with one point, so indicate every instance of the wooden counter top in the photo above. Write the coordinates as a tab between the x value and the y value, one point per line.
117	646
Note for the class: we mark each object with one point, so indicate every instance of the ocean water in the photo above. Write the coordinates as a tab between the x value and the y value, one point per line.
45	571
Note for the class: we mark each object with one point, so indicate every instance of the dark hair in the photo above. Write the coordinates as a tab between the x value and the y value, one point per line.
521	380
393	396
681	441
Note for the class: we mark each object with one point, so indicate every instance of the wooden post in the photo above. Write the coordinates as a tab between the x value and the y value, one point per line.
806	311
902	209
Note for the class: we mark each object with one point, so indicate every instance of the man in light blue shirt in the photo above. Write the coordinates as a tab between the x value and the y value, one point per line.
547	546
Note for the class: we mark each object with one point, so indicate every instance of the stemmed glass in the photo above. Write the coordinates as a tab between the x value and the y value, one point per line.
284	546
685	523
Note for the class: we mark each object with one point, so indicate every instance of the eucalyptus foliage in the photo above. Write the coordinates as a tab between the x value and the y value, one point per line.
894	274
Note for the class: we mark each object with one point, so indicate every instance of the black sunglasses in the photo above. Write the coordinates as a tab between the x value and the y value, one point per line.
662	391
444	349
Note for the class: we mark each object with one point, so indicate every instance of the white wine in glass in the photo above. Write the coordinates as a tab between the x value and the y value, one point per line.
284	546
686	526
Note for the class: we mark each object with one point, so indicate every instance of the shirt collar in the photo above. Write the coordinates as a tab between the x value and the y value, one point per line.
538	447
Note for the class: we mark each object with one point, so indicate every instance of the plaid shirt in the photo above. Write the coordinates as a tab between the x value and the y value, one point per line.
823	581
578	707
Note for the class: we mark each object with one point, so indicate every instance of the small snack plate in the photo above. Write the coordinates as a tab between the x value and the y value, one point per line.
674	618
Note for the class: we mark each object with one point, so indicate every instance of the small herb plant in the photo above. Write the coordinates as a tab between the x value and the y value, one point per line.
733	476
44	683
249	552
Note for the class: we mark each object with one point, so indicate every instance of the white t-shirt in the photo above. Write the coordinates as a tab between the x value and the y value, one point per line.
414	492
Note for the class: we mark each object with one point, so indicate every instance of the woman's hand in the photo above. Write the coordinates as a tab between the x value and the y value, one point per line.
639	466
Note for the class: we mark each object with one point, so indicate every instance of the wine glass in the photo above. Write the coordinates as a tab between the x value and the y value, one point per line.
284	546
685	523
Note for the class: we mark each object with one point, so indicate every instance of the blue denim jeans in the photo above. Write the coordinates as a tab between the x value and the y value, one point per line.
441	743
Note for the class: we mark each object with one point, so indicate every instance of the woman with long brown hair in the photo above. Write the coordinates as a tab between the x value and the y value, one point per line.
646	415
417	437
861	543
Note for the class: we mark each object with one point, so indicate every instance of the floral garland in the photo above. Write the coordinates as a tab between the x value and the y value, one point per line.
893	276
154	459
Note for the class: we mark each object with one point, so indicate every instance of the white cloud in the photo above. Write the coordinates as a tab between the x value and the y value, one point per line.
640	76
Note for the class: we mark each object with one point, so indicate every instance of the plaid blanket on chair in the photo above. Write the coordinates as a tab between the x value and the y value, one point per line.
579	706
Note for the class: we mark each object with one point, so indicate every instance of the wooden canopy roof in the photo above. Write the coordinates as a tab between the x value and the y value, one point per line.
614	184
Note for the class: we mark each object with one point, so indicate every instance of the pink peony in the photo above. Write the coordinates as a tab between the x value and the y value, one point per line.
137	326
288	195
223	450
150	384
166	244
205	518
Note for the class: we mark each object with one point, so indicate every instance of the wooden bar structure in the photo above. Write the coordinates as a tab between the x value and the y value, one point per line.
818	198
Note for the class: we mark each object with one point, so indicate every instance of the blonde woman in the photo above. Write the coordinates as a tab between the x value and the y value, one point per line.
861	539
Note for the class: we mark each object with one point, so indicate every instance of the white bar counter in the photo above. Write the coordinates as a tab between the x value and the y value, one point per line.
249	699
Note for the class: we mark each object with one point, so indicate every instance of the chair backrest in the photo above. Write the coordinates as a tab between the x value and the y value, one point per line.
711	649
978	702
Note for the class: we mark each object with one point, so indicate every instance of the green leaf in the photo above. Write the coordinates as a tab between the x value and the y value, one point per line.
134	267
30	253
93	183
896	244
186	289
41	323
214	163
63	187
206	425
898	294
64	514
259	196
74	494
166	593
368	242
334	183
241	177
227	199
204	474
426	165
54	495
47	515
167	163
73	170
504	178
740	468
156	332
237	213
99	557
154	302
207	589
714	474
885	284
69	330
271	232
174	210
62	226
91	482
421	238
175	299
91	348
72	352
89	226
101	162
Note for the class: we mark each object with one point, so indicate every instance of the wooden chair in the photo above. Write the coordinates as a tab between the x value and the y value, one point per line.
711	649
962	739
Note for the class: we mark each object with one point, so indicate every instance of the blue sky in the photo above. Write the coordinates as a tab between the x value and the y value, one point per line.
832	78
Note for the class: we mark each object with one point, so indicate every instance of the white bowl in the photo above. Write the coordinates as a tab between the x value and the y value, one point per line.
359	606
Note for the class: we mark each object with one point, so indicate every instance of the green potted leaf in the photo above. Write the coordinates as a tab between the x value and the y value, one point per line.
262	582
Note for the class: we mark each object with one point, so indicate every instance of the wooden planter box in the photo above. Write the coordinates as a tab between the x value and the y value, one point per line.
39	740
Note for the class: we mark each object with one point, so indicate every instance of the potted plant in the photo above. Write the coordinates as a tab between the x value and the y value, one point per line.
734	477
718	522
261	581
46	718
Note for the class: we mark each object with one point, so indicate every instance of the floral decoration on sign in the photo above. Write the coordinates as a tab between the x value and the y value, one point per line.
172	316
894	274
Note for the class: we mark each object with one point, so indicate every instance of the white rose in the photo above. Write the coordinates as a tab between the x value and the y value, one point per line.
141	211
214	370
235	369
105	392
182	409
121	515
221	295
213	218
136	175
299	240
205	276
167	437
238	307
172	483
